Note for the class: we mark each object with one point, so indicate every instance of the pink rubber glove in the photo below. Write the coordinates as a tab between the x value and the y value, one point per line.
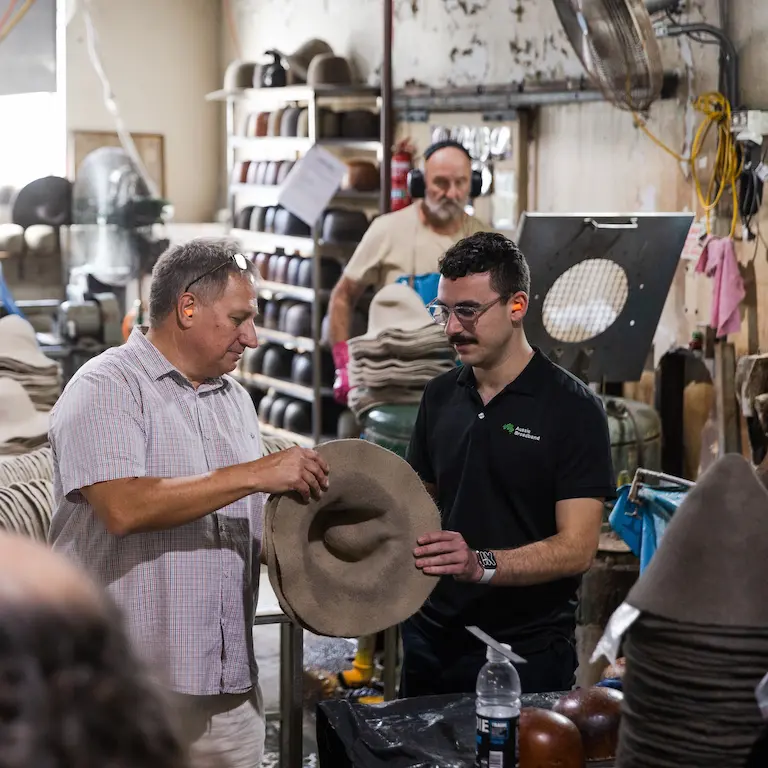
340	354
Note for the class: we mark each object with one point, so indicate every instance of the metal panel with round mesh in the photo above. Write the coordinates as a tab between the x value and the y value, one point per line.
585	300
598	286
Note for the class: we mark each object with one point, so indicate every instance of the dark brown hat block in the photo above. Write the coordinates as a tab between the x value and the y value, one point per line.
548	740
596	713
362	176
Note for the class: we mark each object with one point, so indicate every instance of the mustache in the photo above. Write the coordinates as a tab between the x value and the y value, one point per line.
462	340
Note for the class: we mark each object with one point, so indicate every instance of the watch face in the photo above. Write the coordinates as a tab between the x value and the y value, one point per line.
487	560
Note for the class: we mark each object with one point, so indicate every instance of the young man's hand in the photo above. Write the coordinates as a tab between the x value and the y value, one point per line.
445	553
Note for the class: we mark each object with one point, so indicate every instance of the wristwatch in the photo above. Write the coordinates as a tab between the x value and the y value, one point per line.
487	560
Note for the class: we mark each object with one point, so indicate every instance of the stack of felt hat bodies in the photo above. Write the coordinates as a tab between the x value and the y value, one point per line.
22	361
698	646
342	565
26	493
403	350
22	427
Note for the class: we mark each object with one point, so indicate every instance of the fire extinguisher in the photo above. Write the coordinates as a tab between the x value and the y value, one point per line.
402	162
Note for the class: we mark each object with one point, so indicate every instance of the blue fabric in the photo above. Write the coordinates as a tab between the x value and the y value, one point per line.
6	299
611	682
642	524
424	285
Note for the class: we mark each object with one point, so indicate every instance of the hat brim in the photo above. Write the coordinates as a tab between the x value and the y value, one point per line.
343	565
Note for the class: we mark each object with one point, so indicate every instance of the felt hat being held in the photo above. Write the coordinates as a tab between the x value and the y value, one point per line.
343	565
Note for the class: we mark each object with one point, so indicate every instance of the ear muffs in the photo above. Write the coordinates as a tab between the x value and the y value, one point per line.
417	185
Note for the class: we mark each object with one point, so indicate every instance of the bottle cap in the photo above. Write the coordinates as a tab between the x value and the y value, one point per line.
492	655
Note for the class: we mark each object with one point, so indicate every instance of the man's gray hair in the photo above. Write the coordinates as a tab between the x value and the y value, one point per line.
183	264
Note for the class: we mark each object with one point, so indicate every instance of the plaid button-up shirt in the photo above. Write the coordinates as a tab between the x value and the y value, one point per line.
188	593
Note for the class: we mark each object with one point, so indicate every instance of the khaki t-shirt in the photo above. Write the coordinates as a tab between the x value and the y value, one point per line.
398	244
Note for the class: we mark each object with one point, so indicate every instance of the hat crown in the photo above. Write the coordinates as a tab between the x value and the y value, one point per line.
350	534
18	342
399	307
17	330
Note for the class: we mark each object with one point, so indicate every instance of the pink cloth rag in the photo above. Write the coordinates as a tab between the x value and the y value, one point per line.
718	261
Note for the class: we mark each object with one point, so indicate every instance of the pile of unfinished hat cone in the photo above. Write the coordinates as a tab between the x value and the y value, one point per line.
26	493
695	630
342	565
401	352
22	362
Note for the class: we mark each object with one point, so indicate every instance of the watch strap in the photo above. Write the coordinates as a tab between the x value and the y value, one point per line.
488	574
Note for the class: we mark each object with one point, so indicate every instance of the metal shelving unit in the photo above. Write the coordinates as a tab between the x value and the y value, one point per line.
239	195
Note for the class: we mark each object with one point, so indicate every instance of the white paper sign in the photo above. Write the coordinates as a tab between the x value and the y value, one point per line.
312	184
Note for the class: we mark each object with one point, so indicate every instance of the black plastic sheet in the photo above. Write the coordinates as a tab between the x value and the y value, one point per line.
425	732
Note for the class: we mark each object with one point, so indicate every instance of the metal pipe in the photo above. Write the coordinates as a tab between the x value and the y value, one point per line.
316	308
727	47
725	25
508	96
641	475
386	109
291	695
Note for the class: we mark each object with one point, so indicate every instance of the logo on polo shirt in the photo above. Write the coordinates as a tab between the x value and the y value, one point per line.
520	432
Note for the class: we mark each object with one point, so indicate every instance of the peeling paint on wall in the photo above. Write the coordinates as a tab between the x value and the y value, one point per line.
450	42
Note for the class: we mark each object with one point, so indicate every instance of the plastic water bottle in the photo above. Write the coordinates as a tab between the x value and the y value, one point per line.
498	712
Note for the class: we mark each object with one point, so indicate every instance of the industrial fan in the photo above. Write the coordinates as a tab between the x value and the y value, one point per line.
617	42
113	218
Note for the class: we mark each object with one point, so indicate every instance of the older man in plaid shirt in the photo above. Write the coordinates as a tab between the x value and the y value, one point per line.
160	484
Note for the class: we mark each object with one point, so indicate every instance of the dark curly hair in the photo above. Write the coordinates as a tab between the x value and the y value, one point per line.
73	694
488	252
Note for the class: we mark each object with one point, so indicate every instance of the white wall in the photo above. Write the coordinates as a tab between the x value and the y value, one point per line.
162	57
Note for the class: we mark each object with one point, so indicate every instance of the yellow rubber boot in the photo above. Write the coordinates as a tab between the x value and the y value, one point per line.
362	666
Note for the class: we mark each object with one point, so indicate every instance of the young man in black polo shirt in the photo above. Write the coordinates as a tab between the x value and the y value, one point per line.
517	455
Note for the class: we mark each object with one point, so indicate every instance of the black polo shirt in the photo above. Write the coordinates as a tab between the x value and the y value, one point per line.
499	470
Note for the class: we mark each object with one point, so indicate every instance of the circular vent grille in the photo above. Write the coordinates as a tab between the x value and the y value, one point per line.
585	301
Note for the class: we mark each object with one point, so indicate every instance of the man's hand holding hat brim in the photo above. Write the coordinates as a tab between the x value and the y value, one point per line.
445	553
299	470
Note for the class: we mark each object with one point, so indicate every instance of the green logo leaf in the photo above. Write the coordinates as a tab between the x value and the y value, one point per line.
509	428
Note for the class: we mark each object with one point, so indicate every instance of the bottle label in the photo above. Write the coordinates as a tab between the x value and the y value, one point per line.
497	742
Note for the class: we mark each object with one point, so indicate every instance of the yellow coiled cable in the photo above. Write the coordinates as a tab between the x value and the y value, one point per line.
728	164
